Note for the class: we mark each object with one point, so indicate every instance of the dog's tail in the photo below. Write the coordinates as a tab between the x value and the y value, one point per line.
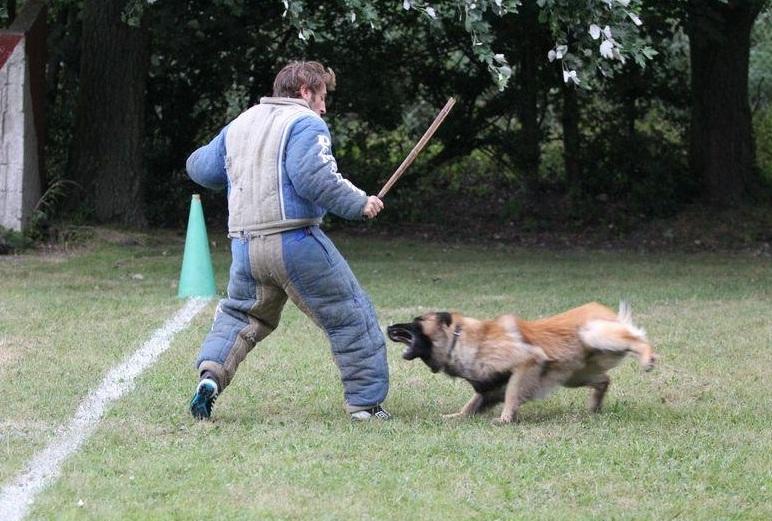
621	335
625	316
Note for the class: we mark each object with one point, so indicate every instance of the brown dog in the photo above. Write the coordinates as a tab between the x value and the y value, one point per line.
517	360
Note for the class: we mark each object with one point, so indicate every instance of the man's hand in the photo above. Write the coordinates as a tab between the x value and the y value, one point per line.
372	207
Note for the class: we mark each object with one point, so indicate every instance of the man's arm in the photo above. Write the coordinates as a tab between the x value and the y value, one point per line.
313	171
206	166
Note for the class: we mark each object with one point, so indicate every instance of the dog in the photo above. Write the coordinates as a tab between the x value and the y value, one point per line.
514	360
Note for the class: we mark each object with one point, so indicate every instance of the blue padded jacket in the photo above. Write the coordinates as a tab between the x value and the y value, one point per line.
311	184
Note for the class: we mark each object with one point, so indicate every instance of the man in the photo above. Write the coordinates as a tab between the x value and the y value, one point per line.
276	162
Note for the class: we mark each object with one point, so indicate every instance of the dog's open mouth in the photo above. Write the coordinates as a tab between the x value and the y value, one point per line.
403	335
398	334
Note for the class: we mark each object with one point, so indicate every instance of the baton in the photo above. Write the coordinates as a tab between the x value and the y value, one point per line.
418	147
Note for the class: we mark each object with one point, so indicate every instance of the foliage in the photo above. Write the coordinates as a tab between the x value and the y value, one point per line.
48	206
211	59
576	31
12	241
38	228
760	74
760	81
611	23
763	130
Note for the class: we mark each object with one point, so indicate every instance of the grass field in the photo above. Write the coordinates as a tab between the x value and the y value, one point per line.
691	440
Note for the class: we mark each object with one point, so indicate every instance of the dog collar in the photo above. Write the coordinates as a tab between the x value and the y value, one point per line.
456	334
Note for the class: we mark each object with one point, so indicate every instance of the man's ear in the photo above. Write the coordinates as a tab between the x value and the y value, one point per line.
444	318
306	93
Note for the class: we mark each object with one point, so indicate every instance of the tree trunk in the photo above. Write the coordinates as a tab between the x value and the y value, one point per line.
571	140
721	146
528	91
10	8
110	124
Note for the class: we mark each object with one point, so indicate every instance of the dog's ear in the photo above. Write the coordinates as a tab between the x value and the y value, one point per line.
444	318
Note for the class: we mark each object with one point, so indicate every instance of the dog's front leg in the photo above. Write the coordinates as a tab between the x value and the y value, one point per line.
471	407
511	398
523	385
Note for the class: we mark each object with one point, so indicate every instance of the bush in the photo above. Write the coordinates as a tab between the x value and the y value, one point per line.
762	126
12	241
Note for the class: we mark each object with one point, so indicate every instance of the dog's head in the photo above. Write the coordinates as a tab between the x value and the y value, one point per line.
427	337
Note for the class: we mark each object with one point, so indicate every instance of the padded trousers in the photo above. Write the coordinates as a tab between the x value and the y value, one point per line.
305	266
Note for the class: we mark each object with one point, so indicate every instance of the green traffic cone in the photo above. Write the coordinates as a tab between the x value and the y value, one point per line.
197	274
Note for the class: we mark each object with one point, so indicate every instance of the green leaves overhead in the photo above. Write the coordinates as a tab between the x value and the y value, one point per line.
598	35
591	35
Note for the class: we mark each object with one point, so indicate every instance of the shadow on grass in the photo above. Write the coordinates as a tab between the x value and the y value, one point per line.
615	413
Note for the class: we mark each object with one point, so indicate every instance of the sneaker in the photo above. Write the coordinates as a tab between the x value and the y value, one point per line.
374	413
202	403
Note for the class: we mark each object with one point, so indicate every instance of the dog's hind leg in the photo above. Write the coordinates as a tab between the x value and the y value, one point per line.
645	353
599	389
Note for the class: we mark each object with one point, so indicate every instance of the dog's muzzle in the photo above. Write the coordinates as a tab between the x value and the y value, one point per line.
403	334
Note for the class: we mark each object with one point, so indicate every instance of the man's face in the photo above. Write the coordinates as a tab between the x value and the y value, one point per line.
315	100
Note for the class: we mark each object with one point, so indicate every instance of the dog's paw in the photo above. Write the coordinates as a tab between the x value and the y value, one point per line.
650	364
505	419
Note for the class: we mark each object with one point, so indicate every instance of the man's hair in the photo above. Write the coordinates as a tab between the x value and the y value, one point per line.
293	76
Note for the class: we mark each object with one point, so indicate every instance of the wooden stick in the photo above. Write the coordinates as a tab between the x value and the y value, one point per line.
418	147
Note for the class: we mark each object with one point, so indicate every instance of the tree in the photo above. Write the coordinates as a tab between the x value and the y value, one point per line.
617	18
108	159
8	12
527	41
721	145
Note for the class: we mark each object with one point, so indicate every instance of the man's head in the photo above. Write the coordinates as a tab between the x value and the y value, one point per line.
307	80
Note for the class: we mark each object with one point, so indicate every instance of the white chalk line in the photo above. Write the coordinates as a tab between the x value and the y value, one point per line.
17	497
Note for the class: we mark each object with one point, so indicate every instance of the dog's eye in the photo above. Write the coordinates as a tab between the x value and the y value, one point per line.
445	317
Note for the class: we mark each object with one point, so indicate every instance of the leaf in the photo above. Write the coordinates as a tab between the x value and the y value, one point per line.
634	17
561	51
594	31
551	55
430	11
649	52
607	31
406	5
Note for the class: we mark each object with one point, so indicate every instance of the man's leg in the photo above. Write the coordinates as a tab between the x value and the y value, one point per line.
249	313
321	283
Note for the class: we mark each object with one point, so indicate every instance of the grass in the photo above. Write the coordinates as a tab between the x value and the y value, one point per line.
689	441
